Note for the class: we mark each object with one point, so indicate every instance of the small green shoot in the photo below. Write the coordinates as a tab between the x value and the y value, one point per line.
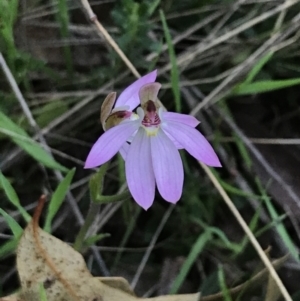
13	197
62	17
236	248
264	86
92	240
257	67
279	226
22	139
223	286
8	247
96	182
15	228
43	294
57	198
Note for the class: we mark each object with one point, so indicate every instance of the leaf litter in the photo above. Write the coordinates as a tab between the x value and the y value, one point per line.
44	259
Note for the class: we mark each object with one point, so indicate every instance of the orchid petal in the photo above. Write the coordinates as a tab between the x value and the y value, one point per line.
109	143
149	92
167	166
175	142
139	172
193	141
130	96
124	150
180	118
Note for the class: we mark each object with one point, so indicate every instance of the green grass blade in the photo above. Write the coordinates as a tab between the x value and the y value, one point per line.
231	189
258	66
57	198
197	248
8	247
15	228
230	245
13	197
96	182
90	241
62	17
23	140
218	232
153	6
270	225
243	151
223	286
8	15
174	69
279	226
42	293
253	225
264	86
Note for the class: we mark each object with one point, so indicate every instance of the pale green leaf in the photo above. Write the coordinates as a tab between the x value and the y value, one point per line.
90	241
15	228
42	291
57	198
258	66
23	140
264	86
13	197
8	247
223	286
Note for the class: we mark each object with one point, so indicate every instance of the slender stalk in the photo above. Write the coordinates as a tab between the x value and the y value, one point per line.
106	199
96	188
90	217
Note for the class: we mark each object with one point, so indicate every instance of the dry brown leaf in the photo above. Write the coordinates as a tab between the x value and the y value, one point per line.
42	258
188	297
13	297
119	283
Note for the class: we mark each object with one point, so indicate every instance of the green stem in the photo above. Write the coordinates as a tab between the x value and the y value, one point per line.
91	215
105	199
96	188
96	182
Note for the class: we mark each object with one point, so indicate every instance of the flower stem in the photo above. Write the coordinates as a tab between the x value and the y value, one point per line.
97	199
96	187
91	215
105	199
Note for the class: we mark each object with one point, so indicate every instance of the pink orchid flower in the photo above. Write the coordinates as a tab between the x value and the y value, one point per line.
152	158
